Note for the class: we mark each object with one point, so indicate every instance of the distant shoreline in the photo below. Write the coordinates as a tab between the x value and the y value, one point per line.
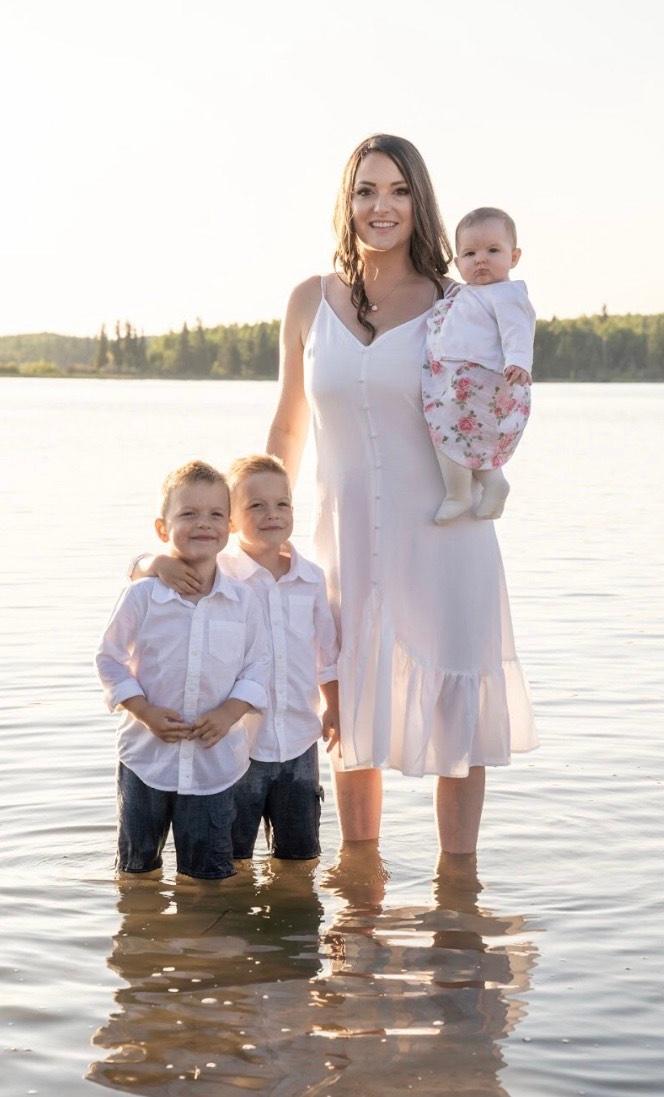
589	348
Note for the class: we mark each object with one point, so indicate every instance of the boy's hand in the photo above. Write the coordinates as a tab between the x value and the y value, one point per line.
330	722
177	575
517	376
165	723
213	726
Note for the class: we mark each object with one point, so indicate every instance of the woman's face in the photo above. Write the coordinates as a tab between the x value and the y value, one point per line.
382	204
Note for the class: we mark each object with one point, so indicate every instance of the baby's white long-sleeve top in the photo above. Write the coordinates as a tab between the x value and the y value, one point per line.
304	653
190	657
493	326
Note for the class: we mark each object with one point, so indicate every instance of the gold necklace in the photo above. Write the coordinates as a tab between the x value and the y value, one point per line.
374	307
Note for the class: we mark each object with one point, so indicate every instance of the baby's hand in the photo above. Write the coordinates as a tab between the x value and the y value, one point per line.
177	575
212	726
517	376
165	723
331	732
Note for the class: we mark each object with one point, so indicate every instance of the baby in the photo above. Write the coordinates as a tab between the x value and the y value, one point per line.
476	380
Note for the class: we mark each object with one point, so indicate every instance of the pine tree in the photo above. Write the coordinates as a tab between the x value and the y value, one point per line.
142	354
101	358
183	355
201	353
228	363
117	349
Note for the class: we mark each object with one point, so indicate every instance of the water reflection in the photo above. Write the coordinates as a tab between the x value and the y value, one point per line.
431	990
283	984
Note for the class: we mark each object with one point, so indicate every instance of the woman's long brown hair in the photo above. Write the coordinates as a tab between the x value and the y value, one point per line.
430	249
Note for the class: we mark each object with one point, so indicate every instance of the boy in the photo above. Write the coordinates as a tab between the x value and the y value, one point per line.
185	671
282	783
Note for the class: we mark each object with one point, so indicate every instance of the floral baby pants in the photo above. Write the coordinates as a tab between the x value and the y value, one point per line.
475	417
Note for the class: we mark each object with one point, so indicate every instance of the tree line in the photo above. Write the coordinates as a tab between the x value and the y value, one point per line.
588	348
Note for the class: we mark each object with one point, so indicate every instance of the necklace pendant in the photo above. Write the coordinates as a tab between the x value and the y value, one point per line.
373	308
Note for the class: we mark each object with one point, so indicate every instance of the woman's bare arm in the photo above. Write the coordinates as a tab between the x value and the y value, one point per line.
288	430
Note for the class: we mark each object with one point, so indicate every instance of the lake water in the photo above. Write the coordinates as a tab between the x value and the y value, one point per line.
366	973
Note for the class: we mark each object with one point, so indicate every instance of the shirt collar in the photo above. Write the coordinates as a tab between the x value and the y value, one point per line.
301	568
241	566
221	585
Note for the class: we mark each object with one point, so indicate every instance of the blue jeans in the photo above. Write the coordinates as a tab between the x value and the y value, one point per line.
201	828
287	795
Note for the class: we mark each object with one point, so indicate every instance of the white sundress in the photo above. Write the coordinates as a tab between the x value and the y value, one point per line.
428	676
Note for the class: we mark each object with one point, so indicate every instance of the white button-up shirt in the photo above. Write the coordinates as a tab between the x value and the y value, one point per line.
304	653
493	326
191	658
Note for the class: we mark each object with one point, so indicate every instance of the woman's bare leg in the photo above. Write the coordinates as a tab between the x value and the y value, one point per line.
459	802
359	795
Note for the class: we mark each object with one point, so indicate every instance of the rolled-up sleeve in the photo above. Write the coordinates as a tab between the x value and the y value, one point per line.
252	681
115	649
327	642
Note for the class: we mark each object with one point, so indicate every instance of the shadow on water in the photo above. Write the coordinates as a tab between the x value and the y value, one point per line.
279	983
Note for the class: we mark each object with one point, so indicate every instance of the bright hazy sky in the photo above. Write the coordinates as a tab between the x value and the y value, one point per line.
168	159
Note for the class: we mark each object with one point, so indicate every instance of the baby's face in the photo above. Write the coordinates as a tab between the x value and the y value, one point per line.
486	253
262	513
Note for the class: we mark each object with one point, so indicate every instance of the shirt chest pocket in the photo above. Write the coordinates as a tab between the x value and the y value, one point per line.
226	641
301	614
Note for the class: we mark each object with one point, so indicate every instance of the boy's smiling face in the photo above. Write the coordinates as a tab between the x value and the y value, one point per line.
262	511
196	521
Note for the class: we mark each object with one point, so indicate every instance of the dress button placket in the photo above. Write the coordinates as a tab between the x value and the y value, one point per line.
376	467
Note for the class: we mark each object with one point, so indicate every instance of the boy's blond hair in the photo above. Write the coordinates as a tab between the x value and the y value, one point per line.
485	213
254	463
194	472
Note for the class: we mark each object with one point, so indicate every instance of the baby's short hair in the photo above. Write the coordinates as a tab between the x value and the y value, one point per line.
255	462
485	213
194	472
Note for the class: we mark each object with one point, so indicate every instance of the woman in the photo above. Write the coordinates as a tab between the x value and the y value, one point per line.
429	679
